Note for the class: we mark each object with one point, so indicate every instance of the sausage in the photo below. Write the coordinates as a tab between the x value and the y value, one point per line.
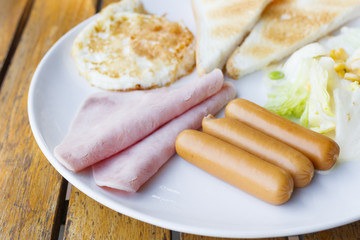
235	166
263	146
321	150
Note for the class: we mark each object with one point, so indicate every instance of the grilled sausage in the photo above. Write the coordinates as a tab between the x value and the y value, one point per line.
321	150
235	166
261	145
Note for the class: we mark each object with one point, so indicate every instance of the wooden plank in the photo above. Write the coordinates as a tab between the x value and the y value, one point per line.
185	236
87	219
11	13
348	232
31	190
107	2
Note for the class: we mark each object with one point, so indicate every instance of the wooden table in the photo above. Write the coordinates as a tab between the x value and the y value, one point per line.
33	196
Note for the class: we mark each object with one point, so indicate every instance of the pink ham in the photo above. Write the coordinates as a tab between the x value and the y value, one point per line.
131	168
109	122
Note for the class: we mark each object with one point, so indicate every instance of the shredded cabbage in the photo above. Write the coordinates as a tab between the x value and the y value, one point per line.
289	98
319	113
348	39
347	102
353	62
306	94
314	94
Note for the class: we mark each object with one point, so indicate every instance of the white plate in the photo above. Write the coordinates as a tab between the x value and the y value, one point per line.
181	197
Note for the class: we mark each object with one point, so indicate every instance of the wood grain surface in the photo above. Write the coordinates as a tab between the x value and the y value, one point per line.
104	3
185	236
348	232
11	13
31	191
87	219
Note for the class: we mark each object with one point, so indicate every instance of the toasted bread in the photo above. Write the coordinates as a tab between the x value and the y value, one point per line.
285	26
221	26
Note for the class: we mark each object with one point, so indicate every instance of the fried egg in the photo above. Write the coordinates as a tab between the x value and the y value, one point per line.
128	50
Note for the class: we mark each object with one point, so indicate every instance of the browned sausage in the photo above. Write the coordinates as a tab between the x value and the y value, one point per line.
321	150
268	148
235	166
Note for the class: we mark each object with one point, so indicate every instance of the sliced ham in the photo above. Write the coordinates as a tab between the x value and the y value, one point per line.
109	122
131	168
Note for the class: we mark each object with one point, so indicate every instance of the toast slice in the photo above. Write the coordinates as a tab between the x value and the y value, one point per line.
285	26
221	26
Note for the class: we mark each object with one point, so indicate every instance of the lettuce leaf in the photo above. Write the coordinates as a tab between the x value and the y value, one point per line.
289	98
319	113
348	39
306	94
347	102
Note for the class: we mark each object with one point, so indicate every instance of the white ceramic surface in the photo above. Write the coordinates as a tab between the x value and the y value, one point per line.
181	197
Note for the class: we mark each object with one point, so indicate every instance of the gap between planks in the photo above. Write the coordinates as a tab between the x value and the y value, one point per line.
65	209
98	7
16	39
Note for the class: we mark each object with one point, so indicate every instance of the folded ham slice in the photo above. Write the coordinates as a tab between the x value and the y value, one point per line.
109	122
131	168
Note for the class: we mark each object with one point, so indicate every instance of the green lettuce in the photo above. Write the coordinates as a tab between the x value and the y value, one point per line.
319	112
347	101
306	95
289	99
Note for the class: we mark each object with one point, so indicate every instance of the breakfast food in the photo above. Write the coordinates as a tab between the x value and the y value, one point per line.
131	168
285	26
221	26
116	133
347	101
319	88
123	6
305	93
261	145
126	50
321	150
235	166
109	122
